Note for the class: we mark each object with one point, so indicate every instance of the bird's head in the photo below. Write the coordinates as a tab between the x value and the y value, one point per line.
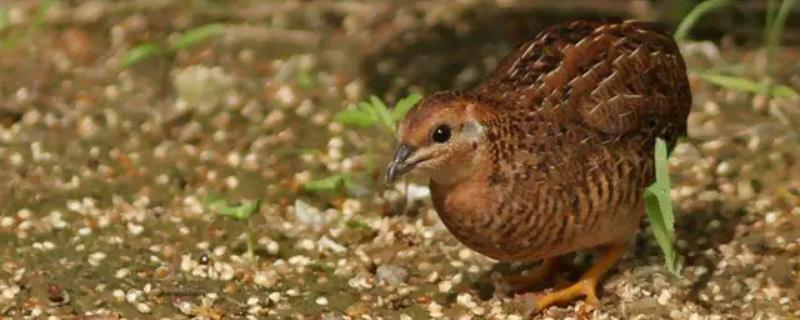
440	138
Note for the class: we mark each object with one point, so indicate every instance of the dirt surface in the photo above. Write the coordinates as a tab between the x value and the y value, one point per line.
105	169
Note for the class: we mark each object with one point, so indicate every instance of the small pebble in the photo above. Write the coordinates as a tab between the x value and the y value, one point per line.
143	308
391	274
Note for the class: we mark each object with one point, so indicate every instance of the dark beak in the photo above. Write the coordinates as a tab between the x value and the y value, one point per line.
399	165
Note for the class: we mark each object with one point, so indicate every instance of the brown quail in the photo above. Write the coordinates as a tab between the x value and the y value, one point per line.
551	153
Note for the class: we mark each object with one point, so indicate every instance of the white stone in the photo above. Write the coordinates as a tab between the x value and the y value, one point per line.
308	215
391	274
95	258
143	308
327	243
664	297
445	286
252	301
119	295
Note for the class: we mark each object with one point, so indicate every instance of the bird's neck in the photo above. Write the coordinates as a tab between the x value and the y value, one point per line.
468	170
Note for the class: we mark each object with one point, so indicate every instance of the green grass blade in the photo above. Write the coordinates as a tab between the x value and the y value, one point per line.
41	14
663	236
140	53
771	11
776	23
663	183
731	82
196	35
15	38
747	85
693	16
659	208
404	105
783	91
772	6
662	175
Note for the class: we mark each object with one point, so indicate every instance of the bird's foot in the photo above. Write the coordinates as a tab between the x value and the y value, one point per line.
585	287
544	274
582	288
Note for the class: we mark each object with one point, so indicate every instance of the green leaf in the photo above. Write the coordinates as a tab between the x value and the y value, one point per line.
662	173
330	183
241	212
3	18
783	91
383	112
404	105
731	82
357	224
357	117
661	232
369	113
236	212
140	53
196	35
693	16
747	85
41	14
659	208
15	38
367	108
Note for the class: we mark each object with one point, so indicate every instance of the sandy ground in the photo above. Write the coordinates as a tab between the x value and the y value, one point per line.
106	169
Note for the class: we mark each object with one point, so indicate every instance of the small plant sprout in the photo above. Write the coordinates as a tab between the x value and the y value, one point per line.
183	41
775	23
15	37
328	184
241	212
367	114
141	52
659	209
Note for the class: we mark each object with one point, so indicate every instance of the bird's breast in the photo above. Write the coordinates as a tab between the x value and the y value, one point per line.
471	211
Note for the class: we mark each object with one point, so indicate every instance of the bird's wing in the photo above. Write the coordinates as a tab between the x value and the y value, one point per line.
614	77
526	64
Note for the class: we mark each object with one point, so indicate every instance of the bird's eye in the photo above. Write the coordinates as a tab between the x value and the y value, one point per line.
441	134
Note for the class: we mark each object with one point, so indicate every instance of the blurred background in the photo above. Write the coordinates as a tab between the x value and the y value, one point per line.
202	158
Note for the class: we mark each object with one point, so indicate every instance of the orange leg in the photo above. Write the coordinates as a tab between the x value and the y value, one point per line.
541	274
587	283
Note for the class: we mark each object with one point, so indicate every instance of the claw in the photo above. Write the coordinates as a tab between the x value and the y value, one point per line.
543	274
585	287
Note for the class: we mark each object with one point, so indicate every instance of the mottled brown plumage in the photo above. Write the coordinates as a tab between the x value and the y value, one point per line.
551	153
